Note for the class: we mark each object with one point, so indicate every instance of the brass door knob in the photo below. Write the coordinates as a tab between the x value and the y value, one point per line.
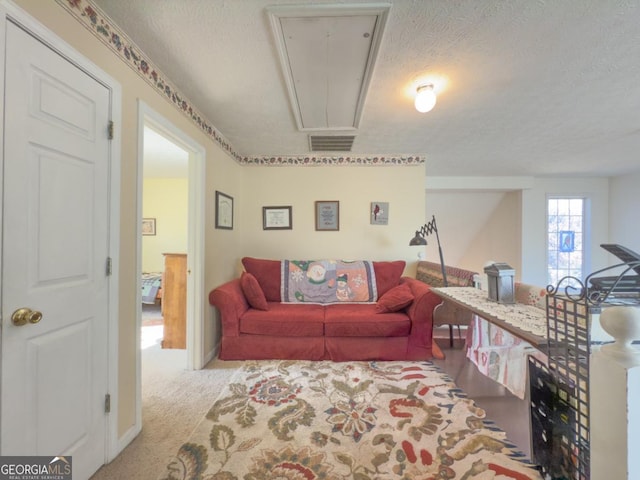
22	316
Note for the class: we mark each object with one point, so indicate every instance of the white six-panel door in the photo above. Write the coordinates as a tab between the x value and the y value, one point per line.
55	248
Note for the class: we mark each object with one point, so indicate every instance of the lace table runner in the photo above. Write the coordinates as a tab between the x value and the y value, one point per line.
525	317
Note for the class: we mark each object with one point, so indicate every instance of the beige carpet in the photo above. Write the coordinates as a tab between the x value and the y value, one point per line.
174	401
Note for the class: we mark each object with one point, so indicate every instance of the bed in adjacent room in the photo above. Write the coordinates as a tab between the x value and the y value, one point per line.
151	287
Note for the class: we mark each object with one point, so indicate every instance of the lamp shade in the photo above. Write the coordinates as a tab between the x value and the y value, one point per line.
425	98
418	240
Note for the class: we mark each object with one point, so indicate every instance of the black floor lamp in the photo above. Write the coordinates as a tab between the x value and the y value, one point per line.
420	239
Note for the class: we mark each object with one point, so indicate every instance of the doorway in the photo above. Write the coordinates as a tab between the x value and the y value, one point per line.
165	213
188	177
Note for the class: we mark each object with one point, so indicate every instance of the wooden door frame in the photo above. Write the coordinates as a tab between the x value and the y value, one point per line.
10	12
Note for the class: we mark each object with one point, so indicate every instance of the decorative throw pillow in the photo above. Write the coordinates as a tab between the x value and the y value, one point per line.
252	292
267	273
388	275
395	299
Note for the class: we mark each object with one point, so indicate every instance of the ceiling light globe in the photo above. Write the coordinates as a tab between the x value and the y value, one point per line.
425	98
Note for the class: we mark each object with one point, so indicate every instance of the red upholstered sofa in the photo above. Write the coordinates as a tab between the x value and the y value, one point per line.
338	332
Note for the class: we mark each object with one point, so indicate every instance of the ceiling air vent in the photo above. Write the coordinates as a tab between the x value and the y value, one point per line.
331	143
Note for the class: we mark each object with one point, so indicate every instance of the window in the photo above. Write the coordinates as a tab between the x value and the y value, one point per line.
565	239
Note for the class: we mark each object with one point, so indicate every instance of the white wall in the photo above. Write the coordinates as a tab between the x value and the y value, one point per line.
504	219
475	227
534	222
355	188
624	207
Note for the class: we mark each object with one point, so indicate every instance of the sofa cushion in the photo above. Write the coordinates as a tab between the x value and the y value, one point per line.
395	299
284	320
252	291
267	272
362	320
531	295
388	275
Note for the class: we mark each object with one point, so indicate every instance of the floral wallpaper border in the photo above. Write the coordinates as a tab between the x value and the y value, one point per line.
97	22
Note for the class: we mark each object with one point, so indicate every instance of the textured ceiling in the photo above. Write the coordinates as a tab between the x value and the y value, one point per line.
162	158
525	87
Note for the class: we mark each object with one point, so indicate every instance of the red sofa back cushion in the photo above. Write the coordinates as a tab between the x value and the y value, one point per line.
388	275
267	272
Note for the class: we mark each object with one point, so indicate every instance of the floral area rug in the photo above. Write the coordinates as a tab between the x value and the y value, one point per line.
299	420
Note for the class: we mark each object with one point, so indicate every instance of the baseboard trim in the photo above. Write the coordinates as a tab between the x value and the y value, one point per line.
127	438
210	356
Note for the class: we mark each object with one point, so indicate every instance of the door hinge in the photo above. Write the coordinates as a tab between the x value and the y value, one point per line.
107	403
110	130
109	268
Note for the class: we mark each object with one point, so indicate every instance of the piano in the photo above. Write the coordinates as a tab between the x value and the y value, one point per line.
622	284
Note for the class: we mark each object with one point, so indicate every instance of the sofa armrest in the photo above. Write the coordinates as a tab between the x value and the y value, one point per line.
229	299
420	312
431	274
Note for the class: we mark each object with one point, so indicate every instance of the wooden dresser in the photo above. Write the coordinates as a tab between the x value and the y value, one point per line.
174	300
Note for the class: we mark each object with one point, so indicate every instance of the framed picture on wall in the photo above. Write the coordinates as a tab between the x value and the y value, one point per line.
327	215
566	241
224	211
277	218
148	226
379	213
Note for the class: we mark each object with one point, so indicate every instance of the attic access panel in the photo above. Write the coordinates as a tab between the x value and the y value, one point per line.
327	54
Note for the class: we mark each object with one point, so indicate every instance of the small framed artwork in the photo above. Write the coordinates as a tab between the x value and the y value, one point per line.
567	241
379	213
277	218
148	226
224	211
327	215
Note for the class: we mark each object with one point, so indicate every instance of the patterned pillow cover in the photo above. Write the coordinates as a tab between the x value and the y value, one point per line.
431	274
531	295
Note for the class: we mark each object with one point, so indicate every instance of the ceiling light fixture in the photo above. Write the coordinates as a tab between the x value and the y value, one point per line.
425	98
